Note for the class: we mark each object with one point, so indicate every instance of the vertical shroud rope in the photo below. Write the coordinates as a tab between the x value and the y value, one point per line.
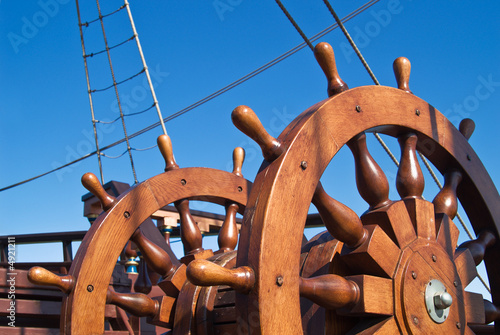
89	93
116	92
151	87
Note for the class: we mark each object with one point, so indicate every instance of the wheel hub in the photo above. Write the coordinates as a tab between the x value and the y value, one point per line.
431	300
437	301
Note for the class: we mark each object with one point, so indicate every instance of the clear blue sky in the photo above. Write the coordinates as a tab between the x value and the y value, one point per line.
196	48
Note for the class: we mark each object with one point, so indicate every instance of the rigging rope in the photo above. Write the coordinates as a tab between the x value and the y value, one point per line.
117	83
252	74
86	24
116	92
129	114
424	159
110	48
339	23
151	87
98	151
290	18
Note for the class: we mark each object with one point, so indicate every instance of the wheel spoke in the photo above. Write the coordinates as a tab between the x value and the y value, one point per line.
228	233
479	246
342	222
329	291
446	200
370	179
143	282
91	183
245	119
205	273
326	59
137	304
157	258
402	70
410	180
378	255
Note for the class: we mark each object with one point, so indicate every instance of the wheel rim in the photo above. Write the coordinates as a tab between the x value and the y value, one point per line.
96	257
315	137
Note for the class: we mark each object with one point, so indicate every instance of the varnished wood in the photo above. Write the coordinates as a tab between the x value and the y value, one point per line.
137	304
329	291
422	214
474	308
156	257
215	302
321	256
165	146
281	200
447	234
143	282
326	59
375	296
395	221
479	246
190	232
467	127
418	273
91	183
173	284
245	119
409	180
466	266
279	195
238	158
40	276
206	273
114	229
402	69
378	255
446	200
342	222
370	179
228	234
492	312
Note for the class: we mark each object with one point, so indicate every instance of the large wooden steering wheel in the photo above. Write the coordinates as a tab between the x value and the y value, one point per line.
87	283
395	269
404	273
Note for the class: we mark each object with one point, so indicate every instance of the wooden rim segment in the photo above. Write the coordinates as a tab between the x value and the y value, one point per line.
277	208
101	247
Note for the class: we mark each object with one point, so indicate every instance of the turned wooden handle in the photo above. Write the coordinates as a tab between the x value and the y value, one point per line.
492	312
329	291
370	178
402	69
245	119
40	276
228	234
467	127
137	304
205	273
157	258
478	247
191	236
446	200
326	59
91	183
410	181
341	221
165	146
238	158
